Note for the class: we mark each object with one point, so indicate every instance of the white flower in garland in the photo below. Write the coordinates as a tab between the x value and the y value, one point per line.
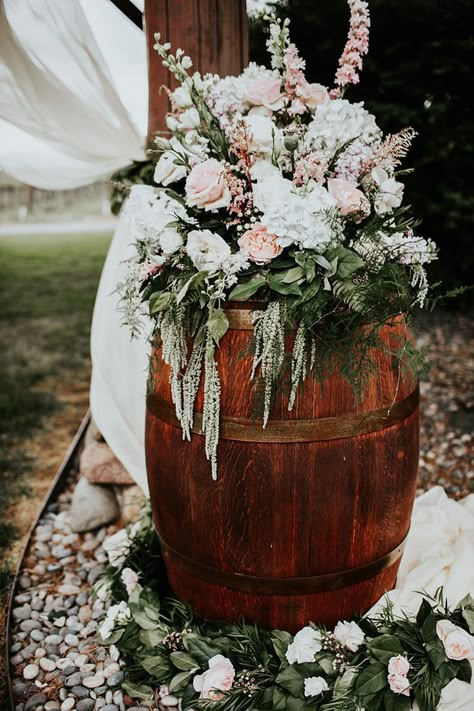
306	644
207	250
265	136
116	614
296	217
408	248
315	685
167	171
130	579
150	213
390	192
350	635
337	122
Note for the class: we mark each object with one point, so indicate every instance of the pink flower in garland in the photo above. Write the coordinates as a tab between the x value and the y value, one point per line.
357	46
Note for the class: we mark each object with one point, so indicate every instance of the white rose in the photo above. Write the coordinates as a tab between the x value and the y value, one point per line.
219	677
189	119
167	171
399	684
315	685
390	193
398	665
130	579
458	644
272	188
207	250
206	187
170	240
306	643
349	634
263	169
265	136
182	97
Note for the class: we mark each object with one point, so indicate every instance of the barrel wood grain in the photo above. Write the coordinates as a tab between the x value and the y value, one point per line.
283	510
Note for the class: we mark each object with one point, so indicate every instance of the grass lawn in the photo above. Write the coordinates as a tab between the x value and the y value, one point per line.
47	291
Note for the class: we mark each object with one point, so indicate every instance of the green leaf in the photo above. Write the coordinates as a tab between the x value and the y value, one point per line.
243	291
372	679
347	261
141	618
137	691
292	275
322	261
467	606
436	653
295	704
423	612
345	682
159	301
200	649
183	661
428	629
278	699
217	324
181	680
385	647
311	290
396	702
464	671
292	681
157	666
276	284
193	282
281	640
151	638
113	638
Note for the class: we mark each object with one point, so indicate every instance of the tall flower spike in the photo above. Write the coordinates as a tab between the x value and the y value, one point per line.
357	46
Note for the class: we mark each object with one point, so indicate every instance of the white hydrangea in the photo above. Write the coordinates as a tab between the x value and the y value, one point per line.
150	214
306	643
339	121
315	685
116	614
296	216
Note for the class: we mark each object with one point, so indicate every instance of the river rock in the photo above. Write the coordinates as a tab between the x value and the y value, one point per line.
92	506
100	466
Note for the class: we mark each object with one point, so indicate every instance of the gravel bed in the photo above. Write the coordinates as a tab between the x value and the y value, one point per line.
56	663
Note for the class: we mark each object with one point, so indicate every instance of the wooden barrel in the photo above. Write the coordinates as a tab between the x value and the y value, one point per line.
308	518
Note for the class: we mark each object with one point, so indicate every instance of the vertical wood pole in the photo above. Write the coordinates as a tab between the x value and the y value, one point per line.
212	32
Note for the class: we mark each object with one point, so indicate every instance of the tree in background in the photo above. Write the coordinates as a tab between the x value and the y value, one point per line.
417	73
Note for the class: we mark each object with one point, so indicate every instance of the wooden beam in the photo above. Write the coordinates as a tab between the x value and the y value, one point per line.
212	32
131	11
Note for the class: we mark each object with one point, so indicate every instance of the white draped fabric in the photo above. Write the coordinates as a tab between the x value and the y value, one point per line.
63	121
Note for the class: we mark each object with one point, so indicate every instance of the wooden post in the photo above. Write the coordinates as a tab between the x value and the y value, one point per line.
212	32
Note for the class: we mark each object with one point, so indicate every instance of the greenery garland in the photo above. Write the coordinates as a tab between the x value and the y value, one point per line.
372	663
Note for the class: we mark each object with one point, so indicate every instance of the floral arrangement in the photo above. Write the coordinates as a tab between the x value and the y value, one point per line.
373	663
274	189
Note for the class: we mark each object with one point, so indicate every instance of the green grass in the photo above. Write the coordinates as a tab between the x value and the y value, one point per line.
47	291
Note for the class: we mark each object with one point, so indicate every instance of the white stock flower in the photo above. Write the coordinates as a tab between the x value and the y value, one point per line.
390	191
119	613
116	547
306	643
207	250
265	136
130	579
182	97
315	685
408	248
150	214
166	170
349	634
337	122
189	119
295	216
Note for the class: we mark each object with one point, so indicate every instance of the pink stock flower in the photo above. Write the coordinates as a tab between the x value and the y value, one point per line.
357	46
260	246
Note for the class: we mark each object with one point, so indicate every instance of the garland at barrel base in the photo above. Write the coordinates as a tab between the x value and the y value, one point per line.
376	662
277	190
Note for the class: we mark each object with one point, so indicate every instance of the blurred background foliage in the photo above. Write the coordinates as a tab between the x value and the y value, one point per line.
418	73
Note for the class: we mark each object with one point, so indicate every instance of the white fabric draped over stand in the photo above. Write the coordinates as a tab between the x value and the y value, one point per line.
63	121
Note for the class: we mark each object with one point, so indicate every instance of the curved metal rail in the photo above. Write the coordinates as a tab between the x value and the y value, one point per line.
63	469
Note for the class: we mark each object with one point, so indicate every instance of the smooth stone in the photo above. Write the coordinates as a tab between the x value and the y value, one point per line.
37	605
74	679
62	663
92	682
51	706
115	679
16	660
87	667
110	707
22	689
92	506
169	701
22	598
37	635
22	613
40	652
68	589
68	704
53	567
24	582
80	660
111	669
35	701
49	676
80	692
31	671
95	573
71	640
63	693
29	650
15	647
29	625
85	705
47	664
53	639
83	598
109	697
60	621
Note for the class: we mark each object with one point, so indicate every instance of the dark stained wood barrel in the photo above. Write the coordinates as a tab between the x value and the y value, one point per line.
308	518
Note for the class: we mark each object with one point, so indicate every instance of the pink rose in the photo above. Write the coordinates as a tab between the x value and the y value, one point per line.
266	92
348	197
205	186
399	684
260	245
219	677
458	644
399	665
313	94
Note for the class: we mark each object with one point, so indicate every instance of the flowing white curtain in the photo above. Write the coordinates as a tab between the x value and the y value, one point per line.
64	123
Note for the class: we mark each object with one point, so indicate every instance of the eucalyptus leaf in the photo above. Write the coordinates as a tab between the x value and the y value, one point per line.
193	282
278	699
292	275
200	649
151	638
372	679
280	287
142	619
385	647
181	680
159	301
344	683
292	681
295	704
347	261
137	691
183	661
464	671
244	291
158	665
217	324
